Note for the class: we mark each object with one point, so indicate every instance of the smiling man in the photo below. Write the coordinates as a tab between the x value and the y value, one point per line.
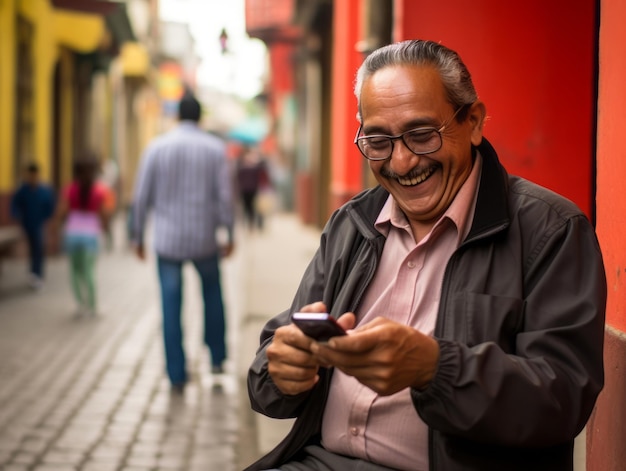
474	300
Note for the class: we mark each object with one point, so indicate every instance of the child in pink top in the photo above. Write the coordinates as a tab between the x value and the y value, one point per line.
84	210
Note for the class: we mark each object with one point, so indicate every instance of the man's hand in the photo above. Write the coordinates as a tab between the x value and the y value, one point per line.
291	364
383	355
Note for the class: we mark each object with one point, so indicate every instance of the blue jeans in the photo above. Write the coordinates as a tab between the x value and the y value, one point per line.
171	279
36	250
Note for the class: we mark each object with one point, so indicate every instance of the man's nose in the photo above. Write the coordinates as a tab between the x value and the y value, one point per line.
402	159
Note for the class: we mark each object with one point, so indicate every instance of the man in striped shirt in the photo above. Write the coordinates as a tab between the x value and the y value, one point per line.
184	179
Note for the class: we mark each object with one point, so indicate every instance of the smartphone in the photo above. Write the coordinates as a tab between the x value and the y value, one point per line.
320	326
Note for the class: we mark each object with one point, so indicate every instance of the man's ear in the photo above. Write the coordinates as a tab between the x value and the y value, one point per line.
476	117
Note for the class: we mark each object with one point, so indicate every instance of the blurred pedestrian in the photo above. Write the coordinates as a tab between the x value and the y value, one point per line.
83	211
32	205
184	179
252	180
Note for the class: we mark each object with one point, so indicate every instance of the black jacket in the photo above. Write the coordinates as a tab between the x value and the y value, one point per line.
520	329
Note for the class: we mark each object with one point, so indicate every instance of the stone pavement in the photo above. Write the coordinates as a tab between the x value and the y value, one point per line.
90	393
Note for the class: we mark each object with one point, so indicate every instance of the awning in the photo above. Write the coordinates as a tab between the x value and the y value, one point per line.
102	7
100	30
119	24
82	32
114	13
135	59
81	25
250	131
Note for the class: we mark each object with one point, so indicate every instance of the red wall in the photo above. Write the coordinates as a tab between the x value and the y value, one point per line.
346	161
533	65
281	65
611	203
607	427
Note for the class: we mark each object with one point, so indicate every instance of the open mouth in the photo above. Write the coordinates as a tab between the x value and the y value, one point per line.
413	179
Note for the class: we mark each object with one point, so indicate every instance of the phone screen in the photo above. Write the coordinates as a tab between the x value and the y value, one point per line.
320	326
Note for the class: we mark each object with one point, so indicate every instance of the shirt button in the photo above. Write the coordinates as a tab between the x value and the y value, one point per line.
354	431
411	264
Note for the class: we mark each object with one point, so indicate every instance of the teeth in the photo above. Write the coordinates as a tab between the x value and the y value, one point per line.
415	180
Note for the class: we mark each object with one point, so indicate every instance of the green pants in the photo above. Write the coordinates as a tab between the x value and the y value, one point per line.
82	268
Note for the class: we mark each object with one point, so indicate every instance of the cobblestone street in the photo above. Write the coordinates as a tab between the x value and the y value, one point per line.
90	393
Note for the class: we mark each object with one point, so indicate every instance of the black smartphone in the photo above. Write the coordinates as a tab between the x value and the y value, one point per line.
317	325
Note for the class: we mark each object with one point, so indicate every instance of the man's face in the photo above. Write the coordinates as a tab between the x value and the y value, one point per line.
398	98
32	177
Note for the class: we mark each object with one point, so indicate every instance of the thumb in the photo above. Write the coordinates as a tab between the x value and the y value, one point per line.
347	321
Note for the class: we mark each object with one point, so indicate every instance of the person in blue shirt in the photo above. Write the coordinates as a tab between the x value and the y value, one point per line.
32	205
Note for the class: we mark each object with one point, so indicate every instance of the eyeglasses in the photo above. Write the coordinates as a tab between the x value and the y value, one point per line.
420	141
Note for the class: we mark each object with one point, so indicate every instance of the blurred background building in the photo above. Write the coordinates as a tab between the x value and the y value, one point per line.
107	75
75	75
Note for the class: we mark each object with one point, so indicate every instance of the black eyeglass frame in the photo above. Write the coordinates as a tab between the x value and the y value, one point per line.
401	136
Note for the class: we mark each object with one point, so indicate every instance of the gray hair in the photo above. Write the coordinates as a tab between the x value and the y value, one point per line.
456	79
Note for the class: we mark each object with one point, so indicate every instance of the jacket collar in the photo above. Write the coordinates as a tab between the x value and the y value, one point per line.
492	210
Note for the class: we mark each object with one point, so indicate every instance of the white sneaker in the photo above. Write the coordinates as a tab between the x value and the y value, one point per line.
35	282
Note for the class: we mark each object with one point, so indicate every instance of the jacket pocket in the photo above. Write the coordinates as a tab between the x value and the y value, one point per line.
489	318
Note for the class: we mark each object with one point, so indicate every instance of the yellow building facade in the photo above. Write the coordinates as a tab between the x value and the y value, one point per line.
62	71
36	89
